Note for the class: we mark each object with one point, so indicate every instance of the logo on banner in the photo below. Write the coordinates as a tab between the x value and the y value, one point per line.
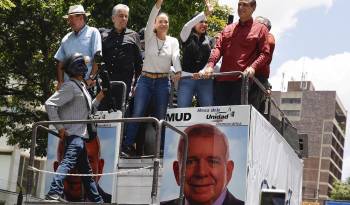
178	117
219	116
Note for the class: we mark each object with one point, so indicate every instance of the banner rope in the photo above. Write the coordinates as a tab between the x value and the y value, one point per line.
92	175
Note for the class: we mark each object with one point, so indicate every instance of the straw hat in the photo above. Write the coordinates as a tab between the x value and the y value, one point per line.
76	9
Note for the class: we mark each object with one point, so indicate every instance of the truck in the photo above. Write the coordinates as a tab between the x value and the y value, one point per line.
266	168
336	202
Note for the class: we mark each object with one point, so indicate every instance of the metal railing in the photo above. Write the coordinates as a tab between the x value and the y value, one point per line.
245	95
156	164
272	101
244	89
123	103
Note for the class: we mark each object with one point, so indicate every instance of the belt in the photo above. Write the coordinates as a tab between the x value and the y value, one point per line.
154	75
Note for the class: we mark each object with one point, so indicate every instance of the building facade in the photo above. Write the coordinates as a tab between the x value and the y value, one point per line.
13	172
321	116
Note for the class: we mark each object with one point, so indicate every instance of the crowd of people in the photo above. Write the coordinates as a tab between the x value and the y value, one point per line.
148	66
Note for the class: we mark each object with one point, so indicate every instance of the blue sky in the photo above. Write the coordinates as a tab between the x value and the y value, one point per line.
312	37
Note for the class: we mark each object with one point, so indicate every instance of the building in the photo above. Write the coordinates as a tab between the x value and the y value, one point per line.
13	172
321	116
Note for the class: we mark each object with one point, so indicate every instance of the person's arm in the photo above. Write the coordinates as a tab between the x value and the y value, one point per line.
59	99
96	44
151	19
176	59
96	101
60	75
215	56
60	57
264	53
272	43
186	30
159	3
138	58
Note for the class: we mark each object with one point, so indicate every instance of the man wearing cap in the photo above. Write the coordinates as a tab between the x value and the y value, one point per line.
121	53
243	46
73	102
82	39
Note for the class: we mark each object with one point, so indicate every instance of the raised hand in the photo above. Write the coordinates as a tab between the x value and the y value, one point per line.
209	9
159	3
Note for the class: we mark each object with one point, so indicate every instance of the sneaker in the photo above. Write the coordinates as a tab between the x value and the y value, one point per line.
128	151
54	198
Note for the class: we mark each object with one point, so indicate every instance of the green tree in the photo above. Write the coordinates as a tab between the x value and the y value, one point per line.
218	20
341	190
30	36
6	4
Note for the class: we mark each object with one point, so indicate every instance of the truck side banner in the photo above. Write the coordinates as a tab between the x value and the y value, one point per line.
272	163
103	157
216	168
335	202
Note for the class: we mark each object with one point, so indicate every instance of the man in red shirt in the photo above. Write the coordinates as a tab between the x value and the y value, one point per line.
244	47
258	98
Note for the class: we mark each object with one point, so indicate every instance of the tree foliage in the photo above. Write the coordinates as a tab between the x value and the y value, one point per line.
30	35
341	190
6	4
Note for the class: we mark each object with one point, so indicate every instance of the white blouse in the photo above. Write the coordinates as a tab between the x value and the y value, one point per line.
160	55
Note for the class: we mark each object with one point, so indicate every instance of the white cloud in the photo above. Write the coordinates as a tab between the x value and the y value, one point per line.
330	73
283	14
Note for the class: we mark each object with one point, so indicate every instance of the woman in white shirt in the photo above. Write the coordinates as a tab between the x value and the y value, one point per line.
161	51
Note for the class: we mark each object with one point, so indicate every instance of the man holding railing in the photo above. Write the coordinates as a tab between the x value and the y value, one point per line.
244	47
257	97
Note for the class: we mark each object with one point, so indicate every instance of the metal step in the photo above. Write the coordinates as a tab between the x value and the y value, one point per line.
136	162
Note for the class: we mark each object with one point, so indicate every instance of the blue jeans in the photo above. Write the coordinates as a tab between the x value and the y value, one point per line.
148	89
202	89
75	156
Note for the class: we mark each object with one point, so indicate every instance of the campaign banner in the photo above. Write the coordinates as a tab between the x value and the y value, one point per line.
334	202
216	167
102	154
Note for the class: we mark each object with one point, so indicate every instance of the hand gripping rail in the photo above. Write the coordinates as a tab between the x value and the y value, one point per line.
156	165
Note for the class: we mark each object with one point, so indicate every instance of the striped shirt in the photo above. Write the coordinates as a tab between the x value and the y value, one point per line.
69	103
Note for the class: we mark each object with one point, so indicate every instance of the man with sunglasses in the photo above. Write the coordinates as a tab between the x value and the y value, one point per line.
243	46
82	39
73	102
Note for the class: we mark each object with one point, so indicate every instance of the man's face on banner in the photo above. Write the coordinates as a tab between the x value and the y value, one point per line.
73	186
208	170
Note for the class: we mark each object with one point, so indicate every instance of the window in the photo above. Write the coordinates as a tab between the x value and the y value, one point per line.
294	113
5	163
291	100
